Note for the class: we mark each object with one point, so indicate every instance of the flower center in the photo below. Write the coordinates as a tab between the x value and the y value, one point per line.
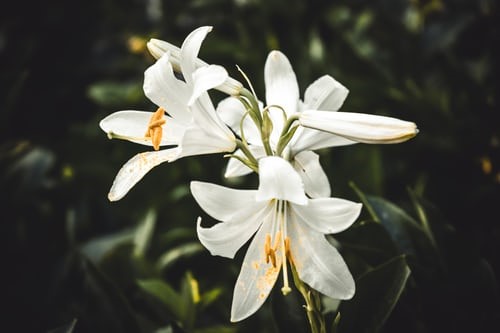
155	130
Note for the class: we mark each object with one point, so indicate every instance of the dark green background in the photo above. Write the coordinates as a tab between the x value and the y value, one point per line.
65	65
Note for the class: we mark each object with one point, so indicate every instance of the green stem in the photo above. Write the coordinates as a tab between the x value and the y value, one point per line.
244	148
313	303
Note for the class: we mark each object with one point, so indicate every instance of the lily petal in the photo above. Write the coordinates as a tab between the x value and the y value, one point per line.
136	168
360	127
325	93
281	83
316	182
278	180
131	125
327	215
190	49
318	263
207	135
205	78
165	90
226	238
219	201
256	277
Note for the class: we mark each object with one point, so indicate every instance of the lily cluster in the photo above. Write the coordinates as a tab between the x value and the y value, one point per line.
291	211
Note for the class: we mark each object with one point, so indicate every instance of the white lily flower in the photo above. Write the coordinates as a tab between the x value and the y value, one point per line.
191	125
282	90
288	226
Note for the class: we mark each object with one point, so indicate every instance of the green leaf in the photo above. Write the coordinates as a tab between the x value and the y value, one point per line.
144	233
166	294
370	241
377	293
182	251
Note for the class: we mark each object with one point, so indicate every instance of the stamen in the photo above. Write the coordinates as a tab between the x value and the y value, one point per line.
155	131
286	288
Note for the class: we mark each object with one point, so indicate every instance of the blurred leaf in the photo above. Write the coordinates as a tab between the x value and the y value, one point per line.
96	248
144	233
177	253
166	294
210	296
369	240
377	292
109	94
216	329
65	329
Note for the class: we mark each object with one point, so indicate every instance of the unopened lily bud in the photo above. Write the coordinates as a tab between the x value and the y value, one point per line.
359	127
158	48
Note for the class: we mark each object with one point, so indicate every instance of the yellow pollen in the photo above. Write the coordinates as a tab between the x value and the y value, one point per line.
155	131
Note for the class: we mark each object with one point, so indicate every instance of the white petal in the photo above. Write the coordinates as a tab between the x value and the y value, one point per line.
311	139
328	215
281	84
165	90
360	127
135	168
132	126
325	93
278	180
206	135
231	112
318	263
226	238
221	202
205	78
189	51
316	182
256	277
235	168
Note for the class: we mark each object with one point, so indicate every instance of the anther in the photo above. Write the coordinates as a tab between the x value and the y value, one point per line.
155	131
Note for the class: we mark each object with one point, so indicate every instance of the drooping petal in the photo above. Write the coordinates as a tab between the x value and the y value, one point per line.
278	180
136	168
316	182
220	202
235	168
231	111
360	127
281	84
190	49
318	263
205	78
325	93
165	90
256	277
327	215
226	238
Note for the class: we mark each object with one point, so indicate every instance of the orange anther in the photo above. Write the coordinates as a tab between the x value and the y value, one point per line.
155	131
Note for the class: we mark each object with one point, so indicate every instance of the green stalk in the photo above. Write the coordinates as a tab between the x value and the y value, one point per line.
313	303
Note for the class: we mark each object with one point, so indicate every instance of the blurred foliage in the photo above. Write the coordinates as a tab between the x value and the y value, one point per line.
73	262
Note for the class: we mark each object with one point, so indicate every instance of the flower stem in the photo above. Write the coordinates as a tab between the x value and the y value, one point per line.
313	303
